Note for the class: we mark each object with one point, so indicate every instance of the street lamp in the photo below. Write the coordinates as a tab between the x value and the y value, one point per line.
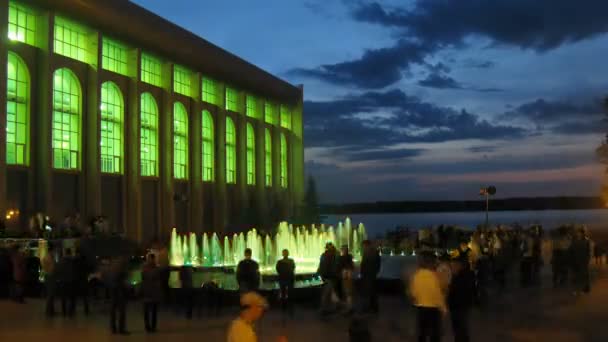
488	191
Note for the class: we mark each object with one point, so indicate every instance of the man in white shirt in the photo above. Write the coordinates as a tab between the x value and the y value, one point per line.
252	309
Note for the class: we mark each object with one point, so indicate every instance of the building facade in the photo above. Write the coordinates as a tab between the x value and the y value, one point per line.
112	110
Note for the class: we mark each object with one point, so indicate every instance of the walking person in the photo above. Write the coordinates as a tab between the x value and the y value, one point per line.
370	267
118	294
328	269
50	280
152	292
461	294
346	268
248	273
425	290
286	268
67	280
242	328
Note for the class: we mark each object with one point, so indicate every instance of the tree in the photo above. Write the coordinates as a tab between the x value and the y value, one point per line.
602	156
311	202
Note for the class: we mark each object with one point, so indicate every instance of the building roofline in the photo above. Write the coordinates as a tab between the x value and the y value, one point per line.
136	25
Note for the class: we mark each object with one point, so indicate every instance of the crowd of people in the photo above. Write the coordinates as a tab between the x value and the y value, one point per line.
450	278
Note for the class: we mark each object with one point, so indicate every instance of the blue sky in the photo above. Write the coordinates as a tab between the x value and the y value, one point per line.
430	99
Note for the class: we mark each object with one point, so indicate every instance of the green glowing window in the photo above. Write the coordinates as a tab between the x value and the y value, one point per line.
210	91
285	117
71	40
230	152
112	113
151	70
21	23
252	107
67	107
270	113
250	155
283	161
208	146
268	157
232	99
180	141
182	80
17	111
114	57
149	136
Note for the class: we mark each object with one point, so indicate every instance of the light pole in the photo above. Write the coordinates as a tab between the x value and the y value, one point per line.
487	192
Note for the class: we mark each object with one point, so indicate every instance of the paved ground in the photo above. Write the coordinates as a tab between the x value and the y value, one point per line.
520	315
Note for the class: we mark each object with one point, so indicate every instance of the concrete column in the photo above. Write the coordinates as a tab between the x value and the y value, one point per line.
132	164
91	170
41	118
296	163
241	169
196	158
219	203
276	173
260	176
167	204
3	62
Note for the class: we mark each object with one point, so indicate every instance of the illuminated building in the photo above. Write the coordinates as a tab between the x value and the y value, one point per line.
112	110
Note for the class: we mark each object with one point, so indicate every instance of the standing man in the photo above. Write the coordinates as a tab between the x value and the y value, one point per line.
152	292
370	267
581	254
461	296
425	290
346	268
81	266
118	294
328	269
286	269
66	282
242	329
50	280
248	273
19	274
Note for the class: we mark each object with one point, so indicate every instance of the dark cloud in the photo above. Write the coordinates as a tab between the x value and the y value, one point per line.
561	116
482	149
438	81
478	64
375	120
381	155
431	25
377	68
539	25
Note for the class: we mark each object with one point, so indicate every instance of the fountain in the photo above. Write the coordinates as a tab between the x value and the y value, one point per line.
305	245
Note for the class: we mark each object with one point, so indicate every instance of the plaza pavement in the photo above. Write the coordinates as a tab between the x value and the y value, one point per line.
520	315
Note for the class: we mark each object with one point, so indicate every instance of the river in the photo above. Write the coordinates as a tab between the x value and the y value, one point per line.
377	224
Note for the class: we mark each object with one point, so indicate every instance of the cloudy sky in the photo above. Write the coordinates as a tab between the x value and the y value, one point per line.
430	99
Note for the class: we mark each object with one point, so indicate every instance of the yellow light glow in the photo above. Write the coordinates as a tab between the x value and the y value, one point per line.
8	217
11	213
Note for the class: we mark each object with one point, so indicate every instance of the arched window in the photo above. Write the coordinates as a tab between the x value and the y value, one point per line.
230	152
17	111
67	110
149	136
112	113
180	141
250	155
283	161
268	157
208	146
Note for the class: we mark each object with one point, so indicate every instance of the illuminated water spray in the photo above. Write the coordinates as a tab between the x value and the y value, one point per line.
305	245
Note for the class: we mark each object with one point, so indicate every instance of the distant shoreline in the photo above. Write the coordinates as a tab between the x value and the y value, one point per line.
505	204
